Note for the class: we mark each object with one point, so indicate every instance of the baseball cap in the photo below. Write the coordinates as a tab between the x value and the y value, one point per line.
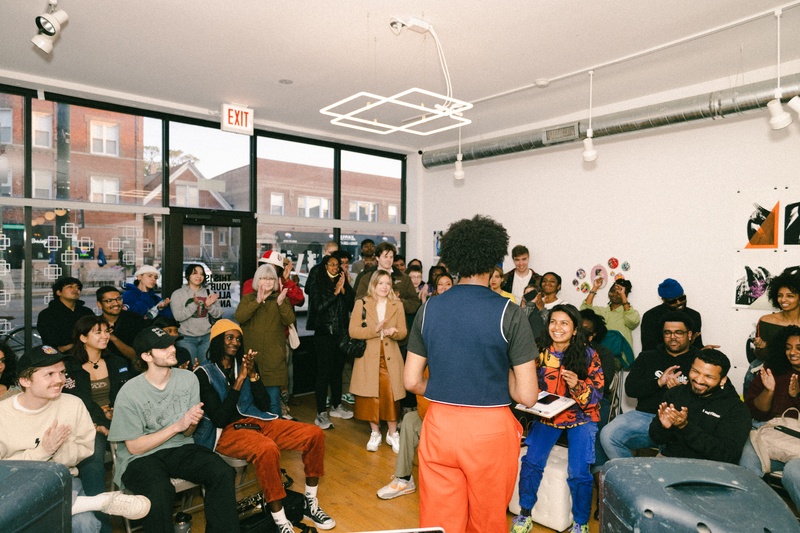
150	338
146	269
272	258
39	357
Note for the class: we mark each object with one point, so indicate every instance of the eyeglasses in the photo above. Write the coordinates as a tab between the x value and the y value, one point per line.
112	300
679	300
678	333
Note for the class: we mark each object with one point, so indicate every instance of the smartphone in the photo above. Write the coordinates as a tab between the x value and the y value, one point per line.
550	398
246	426
531	296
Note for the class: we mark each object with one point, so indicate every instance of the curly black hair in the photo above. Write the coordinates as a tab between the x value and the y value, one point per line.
575	356
474	246
776	357
789	279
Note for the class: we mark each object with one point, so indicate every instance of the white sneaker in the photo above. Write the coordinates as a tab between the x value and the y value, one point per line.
323	421
285	527
398	487
374	441
317	515
341	412
131	506
393	440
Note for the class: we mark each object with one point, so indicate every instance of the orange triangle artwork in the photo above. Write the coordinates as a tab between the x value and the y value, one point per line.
767	234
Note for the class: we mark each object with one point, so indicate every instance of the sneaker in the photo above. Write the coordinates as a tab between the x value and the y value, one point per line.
398	487
579	528
393	440
317	515
323	421
341	412
328	401
130	506
522	524
285	527
374	441
349	398
287	416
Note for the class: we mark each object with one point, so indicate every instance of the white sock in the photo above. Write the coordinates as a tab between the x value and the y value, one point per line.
311	492
84	504
279	517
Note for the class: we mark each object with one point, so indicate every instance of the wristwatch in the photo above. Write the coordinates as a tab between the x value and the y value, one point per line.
256	378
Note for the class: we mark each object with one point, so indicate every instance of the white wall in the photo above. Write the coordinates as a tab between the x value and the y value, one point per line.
662	200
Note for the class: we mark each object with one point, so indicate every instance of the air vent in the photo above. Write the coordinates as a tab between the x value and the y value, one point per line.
560	134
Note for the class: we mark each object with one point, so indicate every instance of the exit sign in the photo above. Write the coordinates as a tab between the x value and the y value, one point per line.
237	119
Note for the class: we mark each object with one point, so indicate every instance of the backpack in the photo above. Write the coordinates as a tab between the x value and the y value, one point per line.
254	513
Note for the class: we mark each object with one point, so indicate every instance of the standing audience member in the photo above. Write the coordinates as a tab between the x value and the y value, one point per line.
619	314
194	306
283	267
522	276
141	298
567	366
496	282
125	325
399	263
231	394
705	420
443	284
480	352
433	274
673	298
547	298
54	427
367	257
56	321
264	316
414	262
415	275
95	376
155	415
775	389
329	308
347	371
313	276
378	375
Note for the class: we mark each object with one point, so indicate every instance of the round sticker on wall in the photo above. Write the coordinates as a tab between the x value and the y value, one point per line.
626	266
619	276
581	273
613	262
576	282
599	271
585	287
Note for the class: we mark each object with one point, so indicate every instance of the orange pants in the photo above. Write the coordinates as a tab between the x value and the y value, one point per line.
468	462
263	450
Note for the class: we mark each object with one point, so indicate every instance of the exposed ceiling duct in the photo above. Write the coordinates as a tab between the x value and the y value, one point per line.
717	104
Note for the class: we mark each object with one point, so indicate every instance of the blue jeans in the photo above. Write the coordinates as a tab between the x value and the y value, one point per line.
274	400
83	522
791	470
541	439
92	473
600	457
197	346
627	432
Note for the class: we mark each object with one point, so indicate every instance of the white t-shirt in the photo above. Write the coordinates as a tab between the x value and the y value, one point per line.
520	282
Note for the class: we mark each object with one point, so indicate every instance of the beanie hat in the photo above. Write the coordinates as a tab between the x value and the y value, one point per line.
669	288
223	325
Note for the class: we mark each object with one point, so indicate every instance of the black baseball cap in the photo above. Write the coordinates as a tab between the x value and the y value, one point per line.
150	338
40	356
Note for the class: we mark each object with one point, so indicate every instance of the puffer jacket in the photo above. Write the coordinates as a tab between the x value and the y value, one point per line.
329	314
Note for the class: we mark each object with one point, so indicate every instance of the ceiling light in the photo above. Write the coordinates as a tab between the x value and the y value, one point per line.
459	173
388	114
45	42
794	103
779	118
49	24
589	153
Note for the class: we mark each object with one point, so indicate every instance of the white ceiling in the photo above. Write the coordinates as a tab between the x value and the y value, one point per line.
189	57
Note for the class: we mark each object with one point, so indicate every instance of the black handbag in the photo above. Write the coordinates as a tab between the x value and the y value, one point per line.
254	514
354	348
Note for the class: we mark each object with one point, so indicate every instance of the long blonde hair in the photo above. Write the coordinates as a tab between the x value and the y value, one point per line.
373	283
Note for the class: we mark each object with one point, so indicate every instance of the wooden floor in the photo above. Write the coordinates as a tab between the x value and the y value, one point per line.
352	477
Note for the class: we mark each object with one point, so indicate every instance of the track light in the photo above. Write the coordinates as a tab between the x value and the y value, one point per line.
49	24
794	103
779	118
459	173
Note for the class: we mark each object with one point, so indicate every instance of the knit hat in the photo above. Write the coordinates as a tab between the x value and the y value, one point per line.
146	269
223	325
669	288
271	258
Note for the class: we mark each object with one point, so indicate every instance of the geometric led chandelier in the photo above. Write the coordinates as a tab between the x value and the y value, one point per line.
432	112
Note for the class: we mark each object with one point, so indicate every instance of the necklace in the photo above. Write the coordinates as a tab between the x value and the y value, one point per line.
95	363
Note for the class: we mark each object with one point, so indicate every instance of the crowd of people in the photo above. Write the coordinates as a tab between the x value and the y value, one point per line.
171	382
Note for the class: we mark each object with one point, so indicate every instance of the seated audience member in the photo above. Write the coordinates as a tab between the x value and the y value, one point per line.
141	298
567	366
399	263
95	376
50	426
402	482
619	314
56	321
184	357
672	299
776	388
283	267
653	373
706	419
516	280
231	393
367	257
495	283
195	307
155	415
596	330
8	368
124	325
784	294
443	284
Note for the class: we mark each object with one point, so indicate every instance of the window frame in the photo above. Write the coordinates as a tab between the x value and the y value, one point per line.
106	126
103	180
37	118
